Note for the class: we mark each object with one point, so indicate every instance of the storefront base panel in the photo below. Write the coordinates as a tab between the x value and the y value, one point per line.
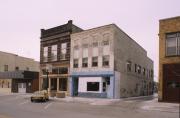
92	95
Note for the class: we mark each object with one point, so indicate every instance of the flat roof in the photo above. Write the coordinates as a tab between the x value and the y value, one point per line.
8	53
176	17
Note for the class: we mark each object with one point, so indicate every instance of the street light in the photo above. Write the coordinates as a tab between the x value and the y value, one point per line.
48	69
46	80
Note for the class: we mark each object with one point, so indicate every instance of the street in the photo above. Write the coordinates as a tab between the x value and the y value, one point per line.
19	106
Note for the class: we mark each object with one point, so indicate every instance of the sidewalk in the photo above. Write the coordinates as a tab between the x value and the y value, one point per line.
154	105
90	101
97	101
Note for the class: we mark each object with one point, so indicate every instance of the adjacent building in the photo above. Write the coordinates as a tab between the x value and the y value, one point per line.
55	57
169	59
106	63
18	74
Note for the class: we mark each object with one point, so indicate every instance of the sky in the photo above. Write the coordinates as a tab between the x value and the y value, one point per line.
21	21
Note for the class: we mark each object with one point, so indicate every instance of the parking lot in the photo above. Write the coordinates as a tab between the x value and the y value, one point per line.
20	106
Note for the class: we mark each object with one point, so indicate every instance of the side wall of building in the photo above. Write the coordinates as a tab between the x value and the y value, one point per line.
126	50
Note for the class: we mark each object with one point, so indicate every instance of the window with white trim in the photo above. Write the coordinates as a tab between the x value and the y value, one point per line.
172	44
45	54
54	53
75	63
128	64
94	61
5	68
63	51
85	62
105	60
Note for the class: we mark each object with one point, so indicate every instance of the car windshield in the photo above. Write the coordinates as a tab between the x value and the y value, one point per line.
38	92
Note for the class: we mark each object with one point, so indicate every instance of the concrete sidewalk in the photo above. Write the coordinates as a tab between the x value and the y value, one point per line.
90	101
154	105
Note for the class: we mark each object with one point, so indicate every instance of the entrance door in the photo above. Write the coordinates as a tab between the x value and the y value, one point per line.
75	86
22	87
171	82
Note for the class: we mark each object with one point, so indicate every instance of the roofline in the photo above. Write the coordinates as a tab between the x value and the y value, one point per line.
169	18
17	55
131	38
92	29
69	22
112	24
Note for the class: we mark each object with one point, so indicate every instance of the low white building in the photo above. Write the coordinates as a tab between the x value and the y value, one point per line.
105	62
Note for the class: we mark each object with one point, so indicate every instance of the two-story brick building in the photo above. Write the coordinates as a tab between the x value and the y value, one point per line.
105	62
169	59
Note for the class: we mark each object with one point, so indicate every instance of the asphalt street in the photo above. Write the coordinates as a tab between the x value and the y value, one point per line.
19	106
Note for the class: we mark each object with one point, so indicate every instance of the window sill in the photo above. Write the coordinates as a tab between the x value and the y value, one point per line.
172	56
105	66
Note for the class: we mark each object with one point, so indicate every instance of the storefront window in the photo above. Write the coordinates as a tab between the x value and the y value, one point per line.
92	86
63	84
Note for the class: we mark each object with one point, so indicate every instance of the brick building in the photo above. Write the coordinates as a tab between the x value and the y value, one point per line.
55	57
107	63
169	59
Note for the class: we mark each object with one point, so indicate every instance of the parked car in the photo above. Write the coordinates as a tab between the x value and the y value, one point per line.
40	96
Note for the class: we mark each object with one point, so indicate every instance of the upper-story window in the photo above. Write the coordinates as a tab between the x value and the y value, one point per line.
147	74
106	38
106	42
63	51
135	68
94	61
75	63
16	68
139	69
106	47
105	60
5	68
173	44
85	62
45	54
54	53
128	64
152	73
144	71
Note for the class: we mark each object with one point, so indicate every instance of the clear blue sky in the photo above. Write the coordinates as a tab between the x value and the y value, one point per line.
21	21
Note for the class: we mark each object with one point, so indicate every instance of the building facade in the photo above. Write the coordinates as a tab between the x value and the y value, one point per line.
169	60
18	74
55	57
105	62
